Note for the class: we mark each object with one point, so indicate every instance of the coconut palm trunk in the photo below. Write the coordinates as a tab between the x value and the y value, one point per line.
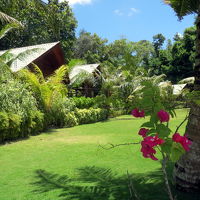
187	169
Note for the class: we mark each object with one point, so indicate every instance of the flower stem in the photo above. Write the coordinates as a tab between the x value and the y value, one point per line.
164	164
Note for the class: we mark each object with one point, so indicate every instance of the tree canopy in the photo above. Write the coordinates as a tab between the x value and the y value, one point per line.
42	22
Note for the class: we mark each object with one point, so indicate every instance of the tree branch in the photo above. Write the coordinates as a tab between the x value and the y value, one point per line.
164	164
117	145
181	124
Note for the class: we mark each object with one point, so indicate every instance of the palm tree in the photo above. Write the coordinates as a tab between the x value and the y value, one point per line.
187	171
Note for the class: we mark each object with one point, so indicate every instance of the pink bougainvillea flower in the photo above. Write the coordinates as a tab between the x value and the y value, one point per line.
136	113
143	132
186	143
183	140
177	137
148	152
147	146
163	116
153	140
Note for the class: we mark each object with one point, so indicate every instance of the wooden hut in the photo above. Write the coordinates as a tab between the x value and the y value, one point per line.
86	88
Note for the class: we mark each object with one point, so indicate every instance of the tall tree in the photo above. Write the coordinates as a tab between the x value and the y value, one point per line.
183	56
187	171
90	47
160	59
158	41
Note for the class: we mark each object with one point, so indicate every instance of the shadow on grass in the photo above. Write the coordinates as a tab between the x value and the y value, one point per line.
51	131
94	183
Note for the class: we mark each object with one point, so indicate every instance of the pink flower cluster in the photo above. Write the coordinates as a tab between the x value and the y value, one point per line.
143	132
163	116
149	142
183	140
147	146
136	113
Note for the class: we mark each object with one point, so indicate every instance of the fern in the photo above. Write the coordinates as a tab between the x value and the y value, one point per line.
37	71
55	81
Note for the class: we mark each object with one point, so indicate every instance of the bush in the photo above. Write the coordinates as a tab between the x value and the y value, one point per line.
29	105
71	120
83	102
35	123
86	116
19	116
9	126
58	115
115	113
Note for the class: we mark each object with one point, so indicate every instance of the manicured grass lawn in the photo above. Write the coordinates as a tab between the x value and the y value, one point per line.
76	153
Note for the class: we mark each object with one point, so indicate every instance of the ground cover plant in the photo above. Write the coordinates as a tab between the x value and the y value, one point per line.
70	164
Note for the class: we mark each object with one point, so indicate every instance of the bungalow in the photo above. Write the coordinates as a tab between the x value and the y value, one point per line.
80	79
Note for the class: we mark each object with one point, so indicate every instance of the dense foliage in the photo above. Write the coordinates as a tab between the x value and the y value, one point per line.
40	103
55	21
30	104
173	58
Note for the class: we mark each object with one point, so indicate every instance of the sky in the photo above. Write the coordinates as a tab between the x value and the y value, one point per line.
132	19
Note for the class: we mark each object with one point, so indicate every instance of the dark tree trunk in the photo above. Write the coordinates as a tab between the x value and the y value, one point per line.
187	169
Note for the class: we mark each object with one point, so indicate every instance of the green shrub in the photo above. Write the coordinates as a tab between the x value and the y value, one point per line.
4	125
9	126
71	120
91	115
4	121
115	113
35	123
59	110
83	102
13	132
19	110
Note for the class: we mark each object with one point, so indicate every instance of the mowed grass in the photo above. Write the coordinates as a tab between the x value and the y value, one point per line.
66	151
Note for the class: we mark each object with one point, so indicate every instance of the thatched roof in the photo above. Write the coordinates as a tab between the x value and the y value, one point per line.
90	68
177	89
32	53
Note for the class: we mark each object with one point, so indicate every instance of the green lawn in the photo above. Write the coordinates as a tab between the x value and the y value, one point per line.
39	168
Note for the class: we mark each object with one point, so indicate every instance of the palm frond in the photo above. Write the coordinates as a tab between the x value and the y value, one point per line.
8	19
184	7
157	79
55	81
6	57
22	56
4	69
81	77
37	71
8	28
59	75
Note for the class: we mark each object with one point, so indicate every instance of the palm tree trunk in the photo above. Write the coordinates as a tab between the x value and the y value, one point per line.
187	169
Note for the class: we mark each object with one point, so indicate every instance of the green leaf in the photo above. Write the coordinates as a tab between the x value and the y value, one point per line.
151	131
166	147
162	130
176	152
154	118
148	125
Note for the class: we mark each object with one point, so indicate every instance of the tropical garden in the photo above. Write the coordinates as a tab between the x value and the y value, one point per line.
134	138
